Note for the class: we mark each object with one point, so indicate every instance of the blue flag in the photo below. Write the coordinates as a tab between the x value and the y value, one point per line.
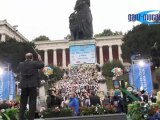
11	86
4	86
7	86
142	77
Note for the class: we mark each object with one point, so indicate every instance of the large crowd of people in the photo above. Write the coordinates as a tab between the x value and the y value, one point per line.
80	88
79	82
79	79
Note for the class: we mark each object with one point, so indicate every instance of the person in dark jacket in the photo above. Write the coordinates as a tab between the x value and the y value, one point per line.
118	102
153	97
29	81
94	99
53	99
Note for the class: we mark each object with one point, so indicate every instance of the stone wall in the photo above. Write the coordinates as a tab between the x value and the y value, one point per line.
94	117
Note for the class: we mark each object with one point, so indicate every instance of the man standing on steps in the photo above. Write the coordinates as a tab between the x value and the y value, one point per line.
29	81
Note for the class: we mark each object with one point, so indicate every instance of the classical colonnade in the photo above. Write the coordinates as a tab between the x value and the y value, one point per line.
63	45
101	57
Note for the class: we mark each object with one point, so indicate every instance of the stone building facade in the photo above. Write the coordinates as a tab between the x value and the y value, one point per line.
57	52
6	31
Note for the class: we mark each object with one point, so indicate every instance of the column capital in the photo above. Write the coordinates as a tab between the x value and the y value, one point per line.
64	48
119	45
110	45
3	33
100	46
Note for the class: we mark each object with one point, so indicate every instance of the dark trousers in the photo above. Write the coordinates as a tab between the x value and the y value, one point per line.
31	93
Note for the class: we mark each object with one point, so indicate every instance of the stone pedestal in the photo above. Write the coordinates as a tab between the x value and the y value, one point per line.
82	51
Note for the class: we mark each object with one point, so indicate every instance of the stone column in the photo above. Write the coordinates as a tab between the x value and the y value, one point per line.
3	38
64	58
55	57
101	55
120	53
110	53
45	57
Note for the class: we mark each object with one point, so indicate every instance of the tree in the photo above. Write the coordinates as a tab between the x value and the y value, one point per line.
68	37
13	52
41	38
108	32
140	40
118	33
57	74
107	67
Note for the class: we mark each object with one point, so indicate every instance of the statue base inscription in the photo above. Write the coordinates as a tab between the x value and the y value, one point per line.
82	52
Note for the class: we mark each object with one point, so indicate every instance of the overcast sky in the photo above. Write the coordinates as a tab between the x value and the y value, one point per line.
50	17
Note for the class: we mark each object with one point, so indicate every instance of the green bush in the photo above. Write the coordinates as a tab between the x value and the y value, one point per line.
134	111
141	111
87	111
97	110
110	109
10	114
50	113
66	112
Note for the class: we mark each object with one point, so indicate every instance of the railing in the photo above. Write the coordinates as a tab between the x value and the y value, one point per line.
93	117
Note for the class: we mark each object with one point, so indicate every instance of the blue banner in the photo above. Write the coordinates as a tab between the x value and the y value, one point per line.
11	86
4	86
131	82
142	78
80	54
7	85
